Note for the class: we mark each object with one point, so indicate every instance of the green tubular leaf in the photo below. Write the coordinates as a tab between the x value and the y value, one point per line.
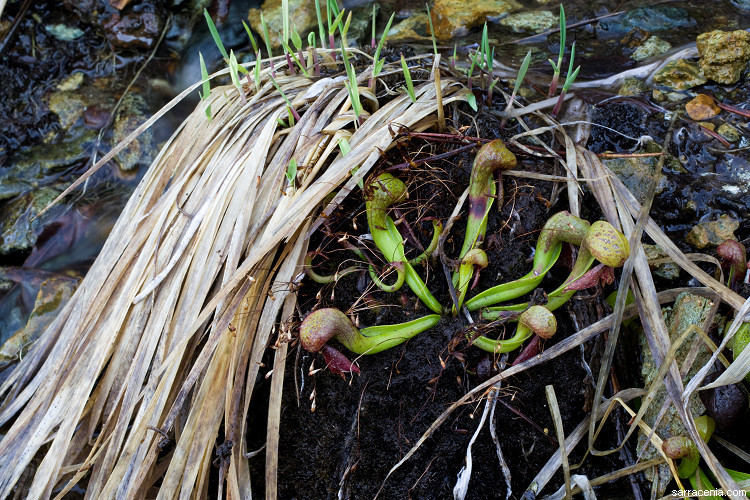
375	339
437	230
499	346
383	192
513	289
400	276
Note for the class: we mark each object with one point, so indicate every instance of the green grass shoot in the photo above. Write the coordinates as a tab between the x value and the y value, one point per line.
321	28
378	63
206	85
234	72
472	100
291	172
300	64
556	67
519	79
251	37
296	39
372	38
215	35
285	20
432	30
311	39
344	146
267	39
290	110
407	78
351	83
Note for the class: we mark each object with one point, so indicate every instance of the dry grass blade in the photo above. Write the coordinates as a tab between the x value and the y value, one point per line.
554	409
165	336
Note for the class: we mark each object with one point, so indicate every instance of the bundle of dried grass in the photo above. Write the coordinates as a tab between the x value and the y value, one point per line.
164	338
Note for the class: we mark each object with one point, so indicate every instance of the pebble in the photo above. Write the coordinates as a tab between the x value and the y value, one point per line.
702	107
713	233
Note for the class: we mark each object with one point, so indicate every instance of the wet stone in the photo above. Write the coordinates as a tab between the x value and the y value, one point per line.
534	21
19	225
728	132
454	18
652	47
712	233
724	54
632	86
53	294
64	32
637	173
667	270
132	113
135	30
702	107
414	27
680	74
652	18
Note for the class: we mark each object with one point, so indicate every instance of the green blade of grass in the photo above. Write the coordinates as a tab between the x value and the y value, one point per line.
285	20
336	22
291	172
378	63
215	35
432	30
206	85
294	57
407	78
251	37
296	39
321	28
266	36
522	72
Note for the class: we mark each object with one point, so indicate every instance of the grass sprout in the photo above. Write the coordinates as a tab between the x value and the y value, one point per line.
291	172
267	39
293	115
206	85
321	28
519	79
351	83
407	78
556	67
377	65
432	30
215	35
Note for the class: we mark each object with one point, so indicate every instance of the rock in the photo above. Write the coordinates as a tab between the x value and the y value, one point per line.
653	46
132	113
727	404
724	54
302	14
454	18
632	86
414	27
652	18
667	270
19	225
702	107
688	310
637	172
139	29
533	21
680	74
53	295
713	233
64	32
728	132
68	106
